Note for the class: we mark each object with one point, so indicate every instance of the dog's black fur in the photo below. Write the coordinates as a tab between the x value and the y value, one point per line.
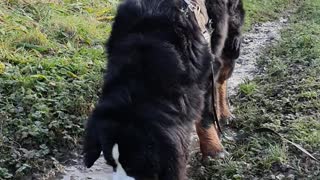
154	90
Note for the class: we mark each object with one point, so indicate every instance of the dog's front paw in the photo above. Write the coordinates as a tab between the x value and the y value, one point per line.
215	155
227	120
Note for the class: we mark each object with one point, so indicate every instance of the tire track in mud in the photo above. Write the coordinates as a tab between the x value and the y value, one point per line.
258	38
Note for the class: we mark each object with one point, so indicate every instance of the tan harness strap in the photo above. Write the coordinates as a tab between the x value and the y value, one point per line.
199	9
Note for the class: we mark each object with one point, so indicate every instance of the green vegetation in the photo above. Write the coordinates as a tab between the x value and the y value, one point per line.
52	59
247	88
51	62
286	99
264	10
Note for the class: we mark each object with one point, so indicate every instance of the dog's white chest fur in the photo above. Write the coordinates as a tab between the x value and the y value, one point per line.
120	174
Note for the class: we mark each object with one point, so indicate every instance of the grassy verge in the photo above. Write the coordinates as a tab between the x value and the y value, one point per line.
264	10
286	98
51	61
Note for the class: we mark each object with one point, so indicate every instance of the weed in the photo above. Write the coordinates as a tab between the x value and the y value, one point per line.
247	88
2	68
275	154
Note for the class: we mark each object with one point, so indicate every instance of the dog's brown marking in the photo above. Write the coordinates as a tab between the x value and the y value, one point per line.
227	17
223	110
209	140
221	94
225	70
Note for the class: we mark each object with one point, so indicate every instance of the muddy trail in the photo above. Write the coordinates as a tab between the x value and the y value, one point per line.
258	38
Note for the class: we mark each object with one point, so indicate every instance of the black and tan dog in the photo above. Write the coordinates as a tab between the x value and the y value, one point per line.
157	86
227	18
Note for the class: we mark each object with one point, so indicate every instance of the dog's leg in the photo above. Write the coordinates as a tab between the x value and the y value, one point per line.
210	144
221	96
218	13
230	53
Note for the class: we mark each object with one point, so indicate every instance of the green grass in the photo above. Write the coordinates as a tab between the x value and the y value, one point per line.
247	88
264	10
51	62
286	99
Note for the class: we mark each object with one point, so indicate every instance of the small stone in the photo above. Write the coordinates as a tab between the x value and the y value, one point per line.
284	20
291	176
202	170
280	176
74	177
237	176
285	168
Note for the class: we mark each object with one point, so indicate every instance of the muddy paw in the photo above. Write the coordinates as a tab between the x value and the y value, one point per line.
221	155
214	155
226	121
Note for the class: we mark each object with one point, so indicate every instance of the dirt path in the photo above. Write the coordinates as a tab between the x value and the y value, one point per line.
261	36
99	171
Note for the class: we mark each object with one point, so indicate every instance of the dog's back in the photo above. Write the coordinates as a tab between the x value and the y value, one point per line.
157	63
